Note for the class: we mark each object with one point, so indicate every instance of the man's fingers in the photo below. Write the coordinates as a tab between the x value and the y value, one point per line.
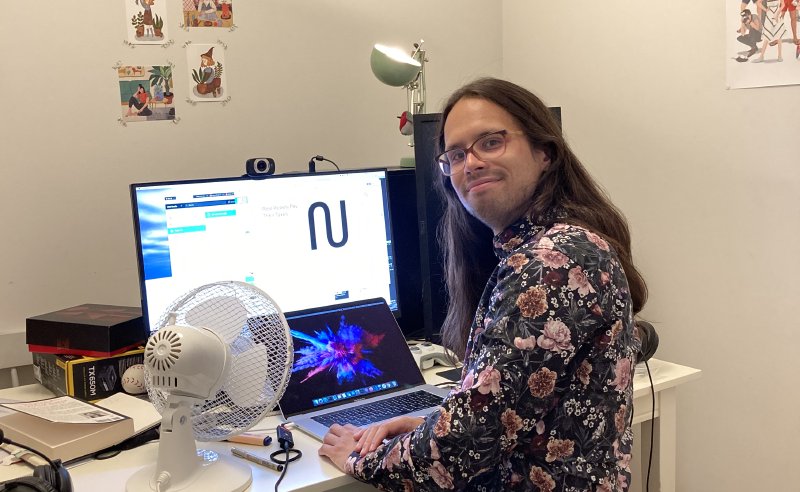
324	449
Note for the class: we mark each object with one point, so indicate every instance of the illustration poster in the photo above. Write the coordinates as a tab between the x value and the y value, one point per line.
208	13
206	65
146	22
763	47
146	93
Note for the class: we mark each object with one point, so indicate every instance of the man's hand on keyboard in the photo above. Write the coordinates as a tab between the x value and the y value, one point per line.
371	437
338	444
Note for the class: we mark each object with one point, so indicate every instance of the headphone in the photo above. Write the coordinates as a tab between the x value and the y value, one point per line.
52	477
649	339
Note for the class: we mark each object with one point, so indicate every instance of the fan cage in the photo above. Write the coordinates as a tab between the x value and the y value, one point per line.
220	417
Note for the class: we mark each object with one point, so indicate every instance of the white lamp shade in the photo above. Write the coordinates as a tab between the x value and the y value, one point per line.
393	66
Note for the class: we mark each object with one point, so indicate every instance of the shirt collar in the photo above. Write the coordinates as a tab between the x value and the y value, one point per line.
521	231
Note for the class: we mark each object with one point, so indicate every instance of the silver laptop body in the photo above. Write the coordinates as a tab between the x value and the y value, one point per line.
348	356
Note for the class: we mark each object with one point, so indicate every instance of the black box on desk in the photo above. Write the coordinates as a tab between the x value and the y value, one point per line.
95	330
87	378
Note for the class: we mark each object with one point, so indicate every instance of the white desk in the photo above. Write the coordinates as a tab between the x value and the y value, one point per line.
666	377
311	474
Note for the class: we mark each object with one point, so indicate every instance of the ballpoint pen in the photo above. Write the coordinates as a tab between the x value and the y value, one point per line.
256	459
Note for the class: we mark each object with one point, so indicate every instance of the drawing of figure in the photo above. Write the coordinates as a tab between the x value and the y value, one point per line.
791	7
773	30
208	12
749	34
148	16
758	4
208	80
207	64
139	102
226	10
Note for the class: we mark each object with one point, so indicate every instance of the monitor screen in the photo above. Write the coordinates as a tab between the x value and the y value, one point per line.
307	240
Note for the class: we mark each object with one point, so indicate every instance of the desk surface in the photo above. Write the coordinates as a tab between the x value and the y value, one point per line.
309	474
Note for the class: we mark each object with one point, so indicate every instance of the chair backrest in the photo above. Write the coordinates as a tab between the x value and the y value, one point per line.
13	354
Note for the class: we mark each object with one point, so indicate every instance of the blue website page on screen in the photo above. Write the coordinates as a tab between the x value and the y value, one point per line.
306	240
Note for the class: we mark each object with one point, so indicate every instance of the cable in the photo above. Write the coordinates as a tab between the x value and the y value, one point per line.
140	439
652	427
54	465
286	442
312	167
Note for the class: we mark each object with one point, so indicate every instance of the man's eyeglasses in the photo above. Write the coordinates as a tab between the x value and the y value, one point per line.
487	147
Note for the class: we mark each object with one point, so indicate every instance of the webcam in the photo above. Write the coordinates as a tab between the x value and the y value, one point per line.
259	167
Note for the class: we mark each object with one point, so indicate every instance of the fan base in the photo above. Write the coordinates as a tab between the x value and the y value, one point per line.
220	475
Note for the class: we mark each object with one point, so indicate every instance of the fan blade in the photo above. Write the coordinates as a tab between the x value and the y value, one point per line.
224	315
247	385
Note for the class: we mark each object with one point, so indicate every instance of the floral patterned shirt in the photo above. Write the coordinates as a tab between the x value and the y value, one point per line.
545	400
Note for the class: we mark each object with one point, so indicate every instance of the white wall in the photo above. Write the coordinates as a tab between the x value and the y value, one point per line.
708	177
709	180
298	73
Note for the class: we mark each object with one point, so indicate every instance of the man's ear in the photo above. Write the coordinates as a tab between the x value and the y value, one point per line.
543	156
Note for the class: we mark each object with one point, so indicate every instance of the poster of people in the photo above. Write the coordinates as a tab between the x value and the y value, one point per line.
763	48
146	93
146	21
208	13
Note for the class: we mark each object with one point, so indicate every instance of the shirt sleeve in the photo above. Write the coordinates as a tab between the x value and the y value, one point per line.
549	304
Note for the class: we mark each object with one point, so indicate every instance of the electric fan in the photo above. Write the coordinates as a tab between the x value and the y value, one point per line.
218	362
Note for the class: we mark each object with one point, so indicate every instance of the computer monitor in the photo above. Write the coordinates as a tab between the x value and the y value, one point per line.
307	240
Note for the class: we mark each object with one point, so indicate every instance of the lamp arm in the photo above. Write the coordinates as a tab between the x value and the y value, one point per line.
416	88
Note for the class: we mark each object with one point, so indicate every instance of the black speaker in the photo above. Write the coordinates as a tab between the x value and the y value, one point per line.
429	211
401	184
430	208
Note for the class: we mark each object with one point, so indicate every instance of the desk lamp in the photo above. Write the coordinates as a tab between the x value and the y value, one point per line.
396	68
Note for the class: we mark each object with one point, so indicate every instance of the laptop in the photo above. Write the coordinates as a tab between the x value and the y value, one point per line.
352	366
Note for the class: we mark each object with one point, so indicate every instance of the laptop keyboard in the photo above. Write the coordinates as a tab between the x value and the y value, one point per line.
376	411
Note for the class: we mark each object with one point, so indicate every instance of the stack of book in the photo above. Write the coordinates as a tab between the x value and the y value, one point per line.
66	428
83	351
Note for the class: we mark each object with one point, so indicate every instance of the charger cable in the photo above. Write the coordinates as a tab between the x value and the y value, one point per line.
312	166
286	443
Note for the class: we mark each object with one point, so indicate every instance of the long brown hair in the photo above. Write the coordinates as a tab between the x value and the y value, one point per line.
565	185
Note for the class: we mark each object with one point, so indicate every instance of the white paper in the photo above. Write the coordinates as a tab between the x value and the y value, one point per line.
143	413
6	411
65	409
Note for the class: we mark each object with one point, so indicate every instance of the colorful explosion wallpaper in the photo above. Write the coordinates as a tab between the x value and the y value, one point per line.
345	352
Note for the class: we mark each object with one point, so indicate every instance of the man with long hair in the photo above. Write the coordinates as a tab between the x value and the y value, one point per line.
548	343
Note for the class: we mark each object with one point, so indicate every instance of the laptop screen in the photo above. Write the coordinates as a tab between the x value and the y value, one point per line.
346	352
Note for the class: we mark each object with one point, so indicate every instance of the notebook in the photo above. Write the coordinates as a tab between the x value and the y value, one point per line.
352	365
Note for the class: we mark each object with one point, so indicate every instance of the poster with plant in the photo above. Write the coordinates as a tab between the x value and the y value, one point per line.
146	21
208	13
206	65
146	93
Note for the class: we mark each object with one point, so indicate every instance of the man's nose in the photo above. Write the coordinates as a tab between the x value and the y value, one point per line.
472	162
